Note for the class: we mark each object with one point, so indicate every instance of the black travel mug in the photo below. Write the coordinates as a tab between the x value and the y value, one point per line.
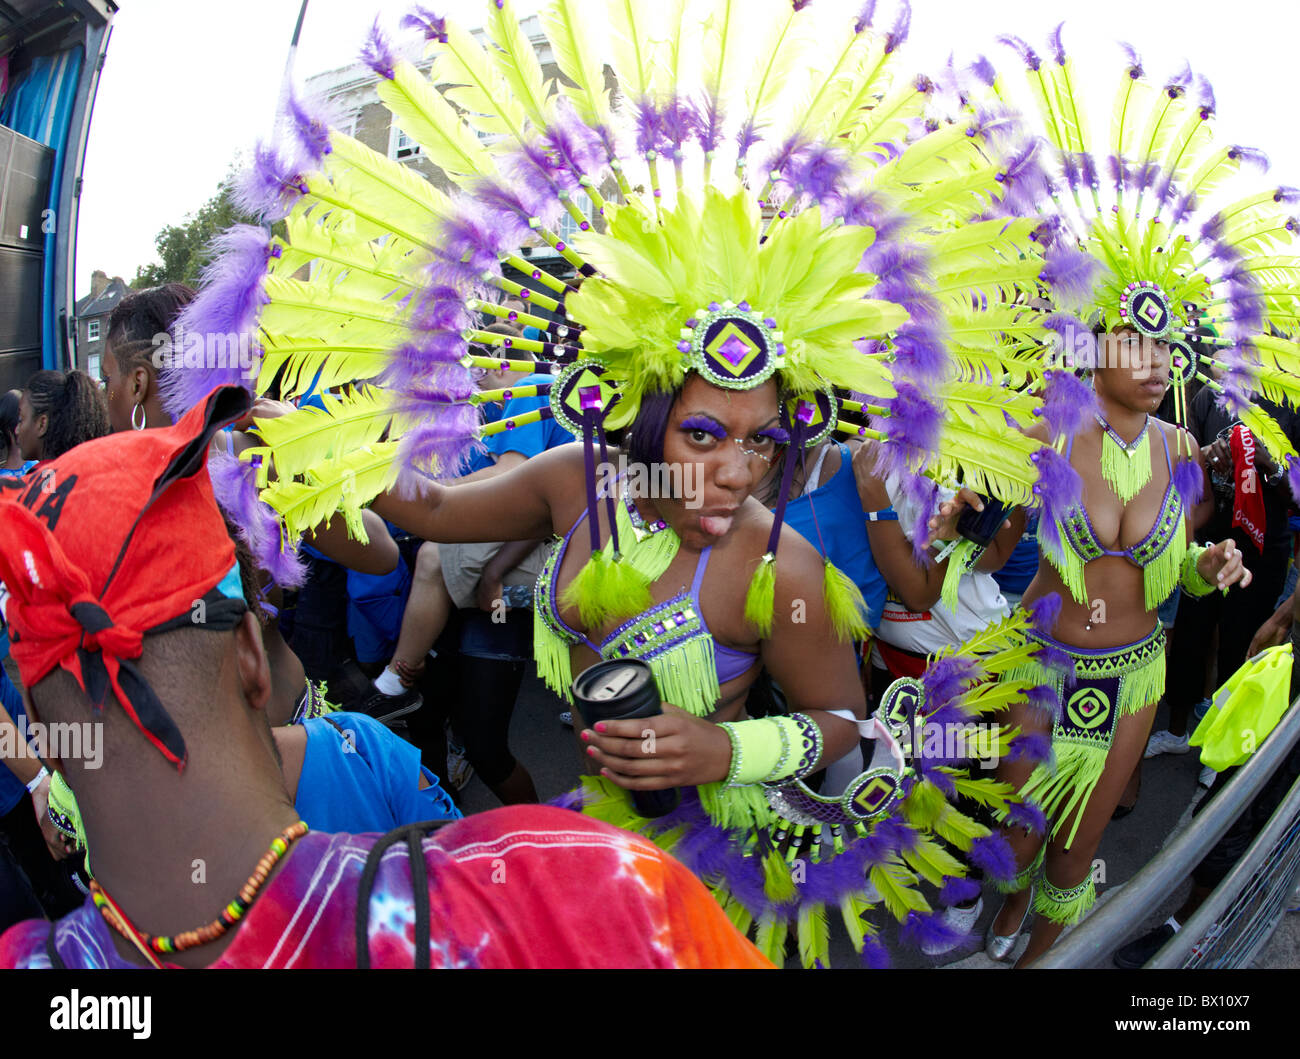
982	526
622	690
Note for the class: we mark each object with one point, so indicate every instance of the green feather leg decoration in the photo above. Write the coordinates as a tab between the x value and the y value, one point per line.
770	937
814	935
1126	470
954	572
778	884
760	600
845	605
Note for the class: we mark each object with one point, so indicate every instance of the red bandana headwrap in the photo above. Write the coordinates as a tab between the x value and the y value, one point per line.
118	538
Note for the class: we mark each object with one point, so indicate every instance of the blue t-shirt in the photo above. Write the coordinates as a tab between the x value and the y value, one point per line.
535	437
835	510
360	777
1023	564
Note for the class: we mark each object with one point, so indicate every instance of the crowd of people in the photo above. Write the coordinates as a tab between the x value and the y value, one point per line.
315	610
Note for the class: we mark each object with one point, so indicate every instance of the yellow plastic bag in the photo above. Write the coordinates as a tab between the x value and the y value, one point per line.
1245	709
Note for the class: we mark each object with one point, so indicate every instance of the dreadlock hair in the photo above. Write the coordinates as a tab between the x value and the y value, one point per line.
9	413
139	318
75	407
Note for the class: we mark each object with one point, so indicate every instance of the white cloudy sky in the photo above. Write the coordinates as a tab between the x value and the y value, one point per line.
189	84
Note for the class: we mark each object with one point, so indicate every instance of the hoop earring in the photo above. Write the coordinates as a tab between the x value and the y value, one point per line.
140	425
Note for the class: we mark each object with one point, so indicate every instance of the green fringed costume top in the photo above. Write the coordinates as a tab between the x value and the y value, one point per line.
1160	553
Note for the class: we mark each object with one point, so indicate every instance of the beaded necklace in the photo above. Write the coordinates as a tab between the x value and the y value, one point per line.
150	944
1126	465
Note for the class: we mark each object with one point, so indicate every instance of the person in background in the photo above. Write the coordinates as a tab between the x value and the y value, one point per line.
58	411
127	368
12	463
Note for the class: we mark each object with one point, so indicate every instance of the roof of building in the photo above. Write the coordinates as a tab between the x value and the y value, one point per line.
105	301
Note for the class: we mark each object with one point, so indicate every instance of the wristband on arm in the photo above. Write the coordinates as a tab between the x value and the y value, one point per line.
772	749
1190	577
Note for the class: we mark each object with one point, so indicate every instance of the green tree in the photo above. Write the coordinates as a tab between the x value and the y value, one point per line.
186	248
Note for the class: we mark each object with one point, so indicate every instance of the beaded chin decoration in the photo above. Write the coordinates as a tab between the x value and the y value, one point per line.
1176	261
825	225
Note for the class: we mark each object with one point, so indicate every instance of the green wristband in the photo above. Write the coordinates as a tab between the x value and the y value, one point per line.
1190	577
757	748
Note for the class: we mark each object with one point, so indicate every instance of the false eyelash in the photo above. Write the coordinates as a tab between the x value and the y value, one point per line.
777	434
709	426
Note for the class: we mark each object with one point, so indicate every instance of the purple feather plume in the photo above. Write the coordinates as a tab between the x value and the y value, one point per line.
947	678
1028	816
572	143
269	187
1134	61
994	856
875	957
310	130
957	890
931	931
865	15
228	303
1027	54
1058	49
424	20
573	800
234	484
1068	402
1051	657
1044	612
924	494
1059	487
983	69
1045	700
377	52
1070	273
438	445
1030	746
1189	480
820	171
913	424
899	31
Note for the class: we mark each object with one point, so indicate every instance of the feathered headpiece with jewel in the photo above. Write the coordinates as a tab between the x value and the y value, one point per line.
761	195
1177	260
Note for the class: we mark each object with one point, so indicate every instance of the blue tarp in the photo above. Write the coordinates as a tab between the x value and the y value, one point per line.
40	106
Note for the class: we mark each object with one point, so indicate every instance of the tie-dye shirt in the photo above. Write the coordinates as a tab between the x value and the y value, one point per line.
525	886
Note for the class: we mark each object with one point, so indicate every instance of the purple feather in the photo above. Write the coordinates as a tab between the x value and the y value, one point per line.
572	143
1134	64
426	22
1068	402
1070	273
228	304
902	26
1051	657
1029	746
649	126
1026	53
820	171
865	16
898	835
914	423
1058	487
234	484
1044	612
680	122
983	69
269	187
504	209
947	678
1293	478
377	52
310	130
919	930
1208	106
438	445
1177	85
957	890
925	495
1028	816
922	354
1067	330
1118	170
1024	183
875	957
994	856
574	800
1045	701
1189	480
1058	49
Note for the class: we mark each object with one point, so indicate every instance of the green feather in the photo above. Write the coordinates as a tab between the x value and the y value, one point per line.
760	600
845	604
586	591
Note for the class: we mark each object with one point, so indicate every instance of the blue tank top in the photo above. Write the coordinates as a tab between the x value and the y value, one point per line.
843	537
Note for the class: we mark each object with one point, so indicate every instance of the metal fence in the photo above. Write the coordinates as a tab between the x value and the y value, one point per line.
1236	921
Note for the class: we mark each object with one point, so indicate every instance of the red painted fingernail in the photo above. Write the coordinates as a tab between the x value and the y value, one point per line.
585	736
600	727
591	751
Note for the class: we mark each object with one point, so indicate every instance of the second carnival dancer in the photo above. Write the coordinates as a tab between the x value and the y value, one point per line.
1170	256
723	314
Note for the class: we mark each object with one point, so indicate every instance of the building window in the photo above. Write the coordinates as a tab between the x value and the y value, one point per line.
401	146
92	330
567	229
92	367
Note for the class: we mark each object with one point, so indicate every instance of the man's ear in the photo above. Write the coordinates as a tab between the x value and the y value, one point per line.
250	659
